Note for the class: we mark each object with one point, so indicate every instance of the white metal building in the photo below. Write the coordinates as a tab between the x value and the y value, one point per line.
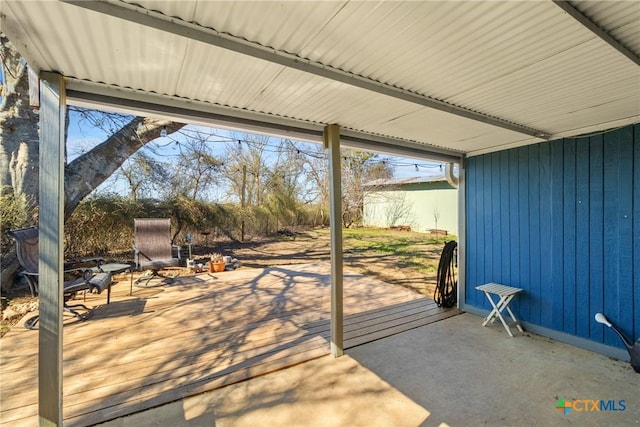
424	204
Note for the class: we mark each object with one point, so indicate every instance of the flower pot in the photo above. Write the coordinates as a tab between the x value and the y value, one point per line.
216	266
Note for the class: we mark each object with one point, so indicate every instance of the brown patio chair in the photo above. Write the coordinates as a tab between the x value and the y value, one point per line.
153	250
79	274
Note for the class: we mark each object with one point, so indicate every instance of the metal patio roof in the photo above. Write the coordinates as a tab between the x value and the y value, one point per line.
432	79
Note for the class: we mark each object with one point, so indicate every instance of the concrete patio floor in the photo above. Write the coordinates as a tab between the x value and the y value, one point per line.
450	373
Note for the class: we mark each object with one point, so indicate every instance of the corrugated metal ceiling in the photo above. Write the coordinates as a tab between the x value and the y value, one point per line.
527	63
619	18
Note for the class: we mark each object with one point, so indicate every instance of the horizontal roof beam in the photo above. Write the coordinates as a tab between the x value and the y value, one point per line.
597	30
381	144
129	101
159	21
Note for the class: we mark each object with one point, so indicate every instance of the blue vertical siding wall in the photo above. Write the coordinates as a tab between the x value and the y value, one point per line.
562	221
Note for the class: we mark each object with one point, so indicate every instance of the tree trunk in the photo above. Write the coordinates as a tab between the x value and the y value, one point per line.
9	268
91	169
19	148
19	140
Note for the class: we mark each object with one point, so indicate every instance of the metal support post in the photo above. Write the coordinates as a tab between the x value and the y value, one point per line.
332	143
51	226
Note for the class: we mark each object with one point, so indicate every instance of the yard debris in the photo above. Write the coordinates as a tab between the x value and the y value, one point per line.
233	264
286	232
16	310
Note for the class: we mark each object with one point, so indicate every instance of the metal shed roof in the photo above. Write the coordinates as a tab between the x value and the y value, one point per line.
397	182
413	78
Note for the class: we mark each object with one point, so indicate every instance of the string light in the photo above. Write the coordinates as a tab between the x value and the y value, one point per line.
290	146
163	132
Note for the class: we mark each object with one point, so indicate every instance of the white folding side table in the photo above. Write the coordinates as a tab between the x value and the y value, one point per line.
506	294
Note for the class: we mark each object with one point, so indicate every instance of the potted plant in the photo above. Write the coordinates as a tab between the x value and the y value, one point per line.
216	263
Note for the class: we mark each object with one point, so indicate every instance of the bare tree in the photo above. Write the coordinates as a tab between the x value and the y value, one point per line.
250	153
196	169
19	143
19	154
317	179
436	217
398	210
285	186
19	138
358	168
91	169
144	175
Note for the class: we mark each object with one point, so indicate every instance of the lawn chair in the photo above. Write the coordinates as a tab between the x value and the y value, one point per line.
79	274
153	250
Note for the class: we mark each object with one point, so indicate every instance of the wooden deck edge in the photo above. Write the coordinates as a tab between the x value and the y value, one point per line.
385	333
196	388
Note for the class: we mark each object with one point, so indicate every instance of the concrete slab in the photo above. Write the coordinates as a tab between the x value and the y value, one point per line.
450	373
323	392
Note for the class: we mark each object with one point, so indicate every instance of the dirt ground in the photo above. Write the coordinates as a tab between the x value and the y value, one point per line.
303	247
311	246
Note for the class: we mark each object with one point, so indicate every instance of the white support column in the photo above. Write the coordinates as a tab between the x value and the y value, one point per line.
332	143
462	233
51	210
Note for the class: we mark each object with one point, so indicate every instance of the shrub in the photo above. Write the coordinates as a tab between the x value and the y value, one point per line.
14	213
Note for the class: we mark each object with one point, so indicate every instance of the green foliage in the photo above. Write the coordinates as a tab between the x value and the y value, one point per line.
14	213
103	225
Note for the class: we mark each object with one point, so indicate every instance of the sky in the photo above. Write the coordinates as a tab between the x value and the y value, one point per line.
82	137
